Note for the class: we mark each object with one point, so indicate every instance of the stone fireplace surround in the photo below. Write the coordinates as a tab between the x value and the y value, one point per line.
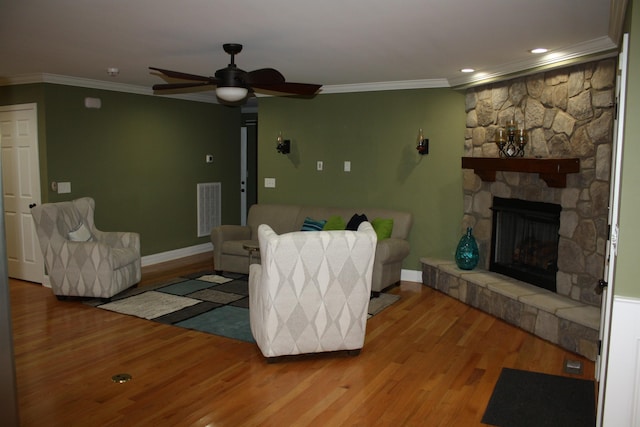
568	114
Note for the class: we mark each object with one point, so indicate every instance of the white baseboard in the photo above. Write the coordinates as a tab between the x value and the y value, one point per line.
175	254
411	276
622	390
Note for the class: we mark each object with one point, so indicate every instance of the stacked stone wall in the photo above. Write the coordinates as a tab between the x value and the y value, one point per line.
568	113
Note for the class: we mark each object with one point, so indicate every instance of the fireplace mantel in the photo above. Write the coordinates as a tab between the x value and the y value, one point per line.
552	171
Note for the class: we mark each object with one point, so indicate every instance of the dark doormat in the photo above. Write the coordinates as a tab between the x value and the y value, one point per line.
523	398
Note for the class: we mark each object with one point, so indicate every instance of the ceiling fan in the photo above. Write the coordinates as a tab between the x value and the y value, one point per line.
233	84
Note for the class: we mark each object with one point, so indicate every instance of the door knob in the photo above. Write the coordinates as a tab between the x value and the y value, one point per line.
600	286
32	205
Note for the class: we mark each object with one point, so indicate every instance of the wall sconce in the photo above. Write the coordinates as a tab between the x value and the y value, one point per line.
284	146
511	141
423	144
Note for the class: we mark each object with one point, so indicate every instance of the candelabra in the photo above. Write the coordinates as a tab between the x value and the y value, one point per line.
511	141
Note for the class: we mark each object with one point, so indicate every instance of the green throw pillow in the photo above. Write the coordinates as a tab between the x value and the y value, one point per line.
382	227
335	223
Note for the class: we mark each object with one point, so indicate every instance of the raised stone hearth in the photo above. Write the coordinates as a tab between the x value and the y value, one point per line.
568	323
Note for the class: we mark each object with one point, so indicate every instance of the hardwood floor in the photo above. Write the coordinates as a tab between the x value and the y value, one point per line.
428	360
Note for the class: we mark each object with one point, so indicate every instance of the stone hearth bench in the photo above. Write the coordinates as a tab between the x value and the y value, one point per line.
565	322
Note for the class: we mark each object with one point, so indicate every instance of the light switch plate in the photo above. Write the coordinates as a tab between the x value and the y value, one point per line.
347	166
319	165
269	183
64	187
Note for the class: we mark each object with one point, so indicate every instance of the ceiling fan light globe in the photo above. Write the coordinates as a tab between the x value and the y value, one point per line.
231	94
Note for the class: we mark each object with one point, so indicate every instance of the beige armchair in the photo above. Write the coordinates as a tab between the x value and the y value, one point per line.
80	259
311	292
230	241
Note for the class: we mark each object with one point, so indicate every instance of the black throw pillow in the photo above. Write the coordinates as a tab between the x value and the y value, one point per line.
355	222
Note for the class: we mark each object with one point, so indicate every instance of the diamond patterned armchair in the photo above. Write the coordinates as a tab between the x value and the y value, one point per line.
311	291
80	259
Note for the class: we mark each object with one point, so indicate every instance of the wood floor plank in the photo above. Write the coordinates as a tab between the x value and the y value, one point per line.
428	360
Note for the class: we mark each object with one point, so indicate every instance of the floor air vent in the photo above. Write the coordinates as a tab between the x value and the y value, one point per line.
209	194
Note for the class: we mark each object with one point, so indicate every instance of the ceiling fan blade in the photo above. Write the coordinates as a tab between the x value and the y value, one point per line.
264	75
287	87
267	79
166	86
180	75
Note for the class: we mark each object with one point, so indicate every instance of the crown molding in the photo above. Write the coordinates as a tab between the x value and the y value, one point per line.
98	84
599	48
380	86
617	11
140	90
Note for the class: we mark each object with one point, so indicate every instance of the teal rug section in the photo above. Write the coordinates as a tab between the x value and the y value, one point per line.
198	303
227	321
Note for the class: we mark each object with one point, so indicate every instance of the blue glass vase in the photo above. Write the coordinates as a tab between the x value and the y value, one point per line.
467	251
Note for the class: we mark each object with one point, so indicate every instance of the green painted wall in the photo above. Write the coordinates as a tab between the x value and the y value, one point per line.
628	267
376	132
140	157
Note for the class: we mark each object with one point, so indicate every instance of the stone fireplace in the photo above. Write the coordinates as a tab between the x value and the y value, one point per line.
569	115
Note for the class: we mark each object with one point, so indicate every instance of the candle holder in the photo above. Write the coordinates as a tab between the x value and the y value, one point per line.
423	144
283	146
511	141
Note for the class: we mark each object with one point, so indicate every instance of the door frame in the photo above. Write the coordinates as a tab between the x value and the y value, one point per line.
602	360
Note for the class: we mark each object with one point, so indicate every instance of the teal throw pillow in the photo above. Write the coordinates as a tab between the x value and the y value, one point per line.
382	227
311	224
335	223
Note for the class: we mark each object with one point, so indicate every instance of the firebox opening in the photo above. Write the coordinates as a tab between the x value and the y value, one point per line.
524	242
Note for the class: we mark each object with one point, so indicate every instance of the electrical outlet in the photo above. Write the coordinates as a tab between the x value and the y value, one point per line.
269	183
572	366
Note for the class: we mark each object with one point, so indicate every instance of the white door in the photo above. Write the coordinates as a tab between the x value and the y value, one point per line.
243	175
612	247
21	189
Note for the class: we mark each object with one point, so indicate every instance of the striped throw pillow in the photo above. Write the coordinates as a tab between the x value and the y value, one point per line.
311	224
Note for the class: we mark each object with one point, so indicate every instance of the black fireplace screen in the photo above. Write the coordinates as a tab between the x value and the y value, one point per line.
524	244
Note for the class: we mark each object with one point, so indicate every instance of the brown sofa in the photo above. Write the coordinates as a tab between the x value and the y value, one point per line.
230	254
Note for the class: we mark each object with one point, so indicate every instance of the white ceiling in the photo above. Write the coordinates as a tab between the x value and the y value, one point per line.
346	45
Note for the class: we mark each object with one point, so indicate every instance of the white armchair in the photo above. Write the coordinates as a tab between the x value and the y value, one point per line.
80	259
311	291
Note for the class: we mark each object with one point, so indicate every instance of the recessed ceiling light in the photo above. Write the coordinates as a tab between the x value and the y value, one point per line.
539	50
467	70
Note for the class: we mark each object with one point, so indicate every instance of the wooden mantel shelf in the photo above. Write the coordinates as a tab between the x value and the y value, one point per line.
552	171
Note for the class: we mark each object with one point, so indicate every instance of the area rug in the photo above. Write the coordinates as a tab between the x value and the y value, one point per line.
523	399
209	303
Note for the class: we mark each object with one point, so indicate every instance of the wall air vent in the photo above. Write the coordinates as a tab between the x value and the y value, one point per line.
209	212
